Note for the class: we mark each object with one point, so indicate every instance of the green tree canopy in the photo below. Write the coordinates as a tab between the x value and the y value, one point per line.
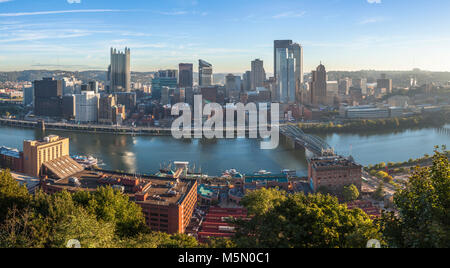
424	205
12	194
350	193
299	221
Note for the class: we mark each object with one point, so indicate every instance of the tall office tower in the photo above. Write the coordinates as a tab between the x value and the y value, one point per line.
360	83
247	83
164	78
318	86
344	86
87	106
384	85
233	86
93	85
205	73
127	99
85	87
165	95
232	83
48	97
297	51
69	107
186	75
210	94
258	75
28	96
286	78
120	72
189	96
105	109
168	73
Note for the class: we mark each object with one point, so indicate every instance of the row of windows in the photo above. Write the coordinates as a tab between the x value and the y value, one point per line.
49	154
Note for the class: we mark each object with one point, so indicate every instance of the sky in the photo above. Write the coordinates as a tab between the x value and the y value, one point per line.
342	34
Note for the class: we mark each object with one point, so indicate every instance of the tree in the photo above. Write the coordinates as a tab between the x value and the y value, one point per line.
111	205
299	221
423	220
85	228
159	240
379	192
12	194
261	201
350	193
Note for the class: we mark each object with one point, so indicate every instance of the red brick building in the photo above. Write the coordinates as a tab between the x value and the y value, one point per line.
334	173
167	203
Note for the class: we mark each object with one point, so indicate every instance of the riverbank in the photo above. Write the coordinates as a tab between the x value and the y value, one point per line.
438	119
396	168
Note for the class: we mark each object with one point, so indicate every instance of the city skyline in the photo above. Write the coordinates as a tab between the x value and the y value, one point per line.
77	35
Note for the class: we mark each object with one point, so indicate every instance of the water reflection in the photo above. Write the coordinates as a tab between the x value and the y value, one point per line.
146	154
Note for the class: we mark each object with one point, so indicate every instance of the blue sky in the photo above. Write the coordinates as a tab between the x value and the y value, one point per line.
343	34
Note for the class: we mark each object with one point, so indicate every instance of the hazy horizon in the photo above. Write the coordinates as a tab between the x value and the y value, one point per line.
344	35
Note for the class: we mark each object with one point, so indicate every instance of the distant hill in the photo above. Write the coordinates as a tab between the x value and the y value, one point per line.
399	78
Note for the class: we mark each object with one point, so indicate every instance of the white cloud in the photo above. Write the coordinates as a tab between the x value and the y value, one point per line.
372	20
374	1
57	12
74	1
4	1
290	14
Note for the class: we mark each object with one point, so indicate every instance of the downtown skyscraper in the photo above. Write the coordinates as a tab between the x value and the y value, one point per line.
186	75
318	86
205	73
119	72
288	70
258	74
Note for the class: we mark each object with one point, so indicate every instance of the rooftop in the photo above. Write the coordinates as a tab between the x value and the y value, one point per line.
327	162
10	152
262	178
143	189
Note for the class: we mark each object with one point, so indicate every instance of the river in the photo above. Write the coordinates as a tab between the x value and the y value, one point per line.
145	154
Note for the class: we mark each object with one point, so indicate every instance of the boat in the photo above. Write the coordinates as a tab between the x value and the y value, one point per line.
85	161
231	173
289	172
263	172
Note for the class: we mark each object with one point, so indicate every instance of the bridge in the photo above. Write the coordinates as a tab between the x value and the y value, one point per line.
296	137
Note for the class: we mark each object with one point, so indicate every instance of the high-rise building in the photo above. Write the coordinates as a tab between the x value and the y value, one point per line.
48	97
127	99
384	85
165	95
286	78
247	83
164	78
69	107
87	106
258	75
168	74
28	96
186	75
295	51
318	86
105	109
232	83
344	86
93	85
360	83
120	71
205	73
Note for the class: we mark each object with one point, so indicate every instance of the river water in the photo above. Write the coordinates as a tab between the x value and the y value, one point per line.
145	154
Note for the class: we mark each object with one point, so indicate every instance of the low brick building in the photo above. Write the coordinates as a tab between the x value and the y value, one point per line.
333	173
167	203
